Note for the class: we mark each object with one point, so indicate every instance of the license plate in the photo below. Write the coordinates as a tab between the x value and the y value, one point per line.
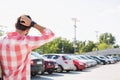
39	62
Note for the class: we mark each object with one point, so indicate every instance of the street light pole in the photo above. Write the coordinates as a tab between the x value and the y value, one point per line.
74	42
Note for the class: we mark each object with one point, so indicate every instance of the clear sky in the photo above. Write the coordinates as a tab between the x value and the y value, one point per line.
93	15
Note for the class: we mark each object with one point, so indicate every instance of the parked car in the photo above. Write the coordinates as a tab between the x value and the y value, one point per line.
92	62
102	61
111	60
37	65
117	58
49	64
78	64
90	57
89	63
104	58
65	63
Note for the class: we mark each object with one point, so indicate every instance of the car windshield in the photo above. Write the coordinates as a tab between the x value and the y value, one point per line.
36	54
32	57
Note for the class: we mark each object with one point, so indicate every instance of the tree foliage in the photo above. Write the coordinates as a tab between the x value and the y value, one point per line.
88	47
103	46
107	38
62	45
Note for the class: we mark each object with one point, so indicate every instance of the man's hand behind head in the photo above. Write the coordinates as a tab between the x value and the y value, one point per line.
25	20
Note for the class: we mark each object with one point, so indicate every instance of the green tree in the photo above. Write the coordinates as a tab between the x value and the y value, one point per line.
58	45
50	47
103	46
88	47
80	45
62	45
67	46
107	38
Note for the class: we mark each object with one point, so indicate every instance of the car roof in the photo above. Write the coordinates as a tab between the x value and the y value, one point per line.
55	54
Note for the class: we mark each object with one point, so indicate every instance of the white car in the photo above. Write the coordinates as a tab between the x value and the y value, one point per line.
65	63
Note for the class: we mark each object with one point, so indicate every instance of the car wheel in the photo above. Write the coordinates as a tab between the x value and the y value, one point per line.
67	70
42	73
76	68
50	72
59	69
33	74
81	69
102	63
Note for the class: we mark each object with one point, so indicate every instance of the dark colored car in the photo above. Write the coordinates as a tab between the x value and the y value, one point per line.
49	65
101	60
37	65
97	60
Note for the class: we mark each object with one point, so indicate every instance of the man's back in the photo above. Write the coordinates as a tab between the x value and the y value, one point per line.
14	56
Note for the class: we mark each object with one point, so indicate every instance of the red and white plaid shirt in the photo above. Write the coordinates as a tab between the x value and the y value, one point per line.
15	53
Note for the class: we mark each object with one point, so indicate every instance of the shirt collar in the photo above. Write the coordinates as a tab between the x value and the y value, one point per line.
10	34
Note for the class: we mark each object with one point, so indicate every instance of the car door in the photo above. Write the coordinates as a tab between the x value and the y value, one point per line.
68	62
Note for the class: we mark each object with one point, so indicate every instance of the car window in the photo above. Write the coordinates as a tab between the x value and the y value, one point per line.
102	57
48	56
67	58
56	57
82	57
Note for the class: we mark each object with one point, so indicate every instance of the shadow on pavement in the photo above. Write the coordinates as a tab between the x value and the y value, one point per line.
43	77
40	78
54	75
71	72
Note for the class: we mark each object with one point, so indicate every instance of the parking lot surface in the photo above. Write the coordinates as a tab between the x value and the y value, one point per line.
99	72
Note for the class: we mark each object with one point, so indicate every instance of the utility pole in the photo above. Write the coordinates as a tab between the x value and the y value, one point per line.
74	41
62	45
97	40
97	36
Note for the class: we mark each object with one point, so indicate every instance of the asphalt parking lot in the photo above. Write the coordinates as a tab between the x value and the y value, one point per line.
99	72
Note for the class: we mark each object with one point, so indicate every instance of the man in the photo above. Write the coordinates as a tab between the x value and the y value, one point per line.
15	48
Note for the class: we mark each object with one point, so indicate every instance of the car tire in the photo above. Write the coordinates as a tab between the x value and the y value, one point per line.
76	68
33	74
50	72
59	69
67	70
42	73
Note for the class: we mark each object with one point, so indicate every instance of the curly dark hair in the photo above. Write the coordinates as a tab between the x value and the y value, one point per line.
20	26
